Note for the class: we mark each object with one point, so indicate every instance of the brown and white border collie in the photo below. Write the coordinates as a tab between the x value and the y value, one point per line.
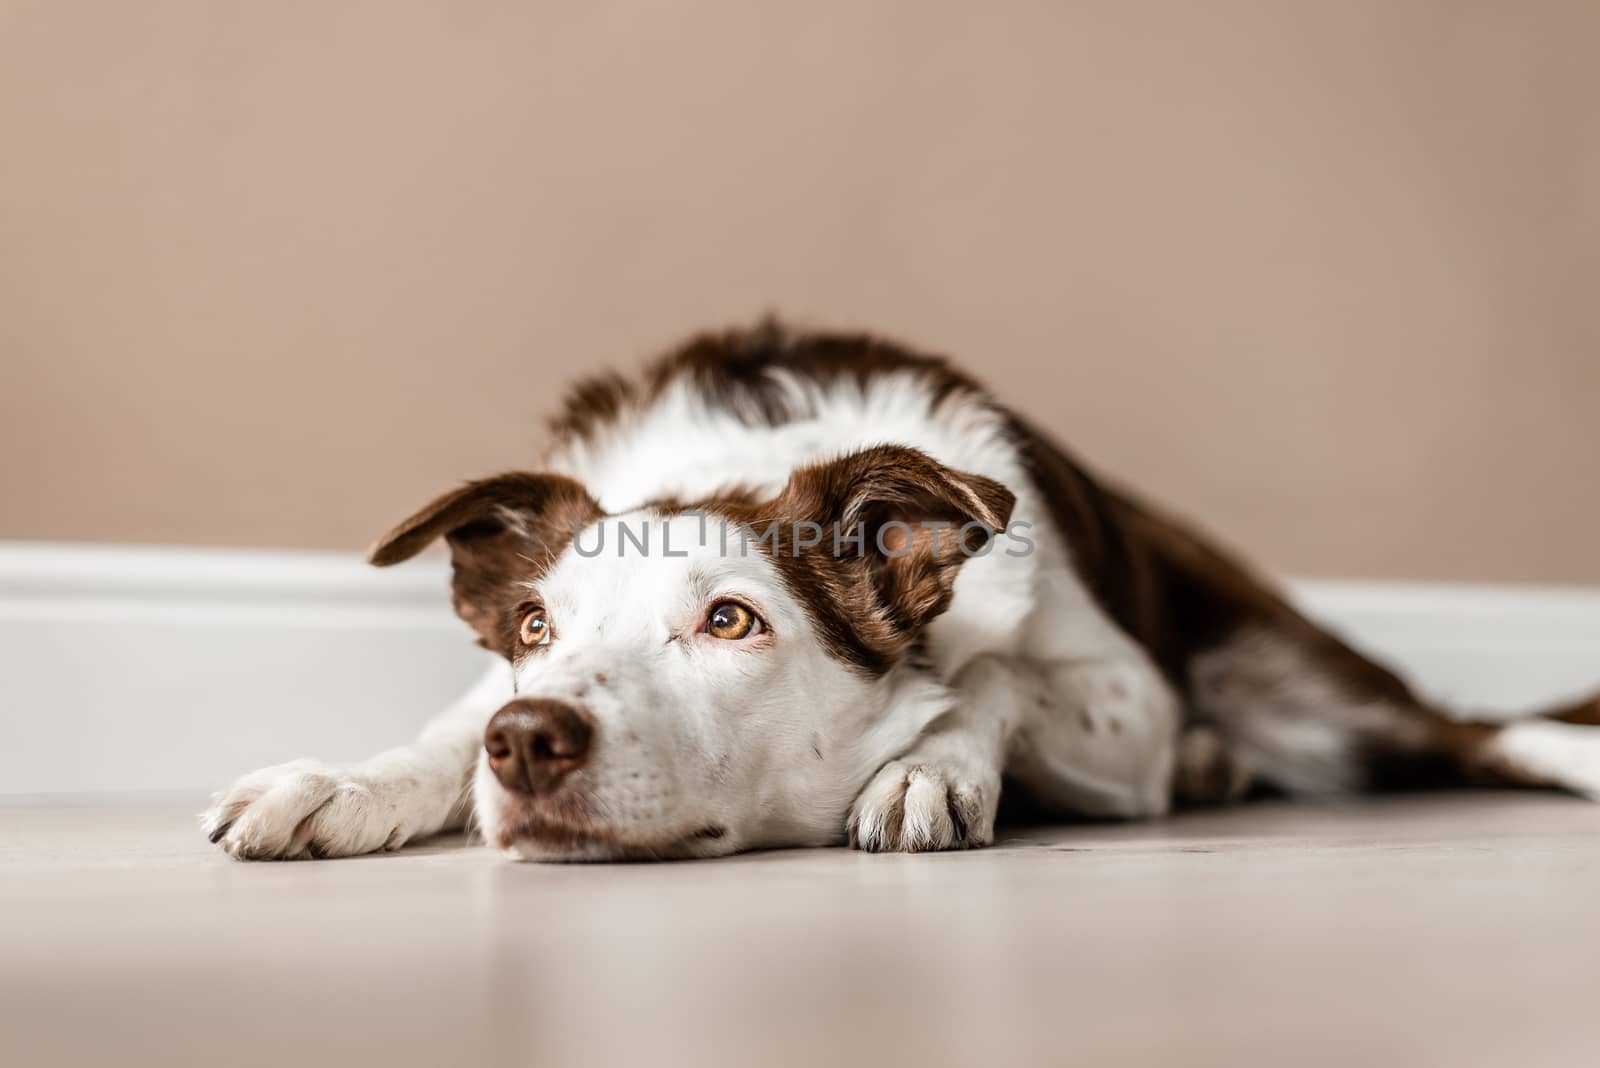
922	597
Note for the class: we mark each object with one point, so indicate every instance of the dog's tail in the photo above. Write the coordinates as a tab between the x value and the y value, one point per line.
1423	746
1558	748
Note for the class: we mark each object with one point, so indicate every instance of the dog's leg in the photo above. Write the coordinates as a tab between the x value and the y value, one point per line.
1100	738
1208	772
1309	715
944	792
309	809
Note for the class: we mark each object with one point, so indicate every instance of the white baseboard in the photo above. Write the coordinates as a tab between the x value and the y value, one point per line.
156	669
160	669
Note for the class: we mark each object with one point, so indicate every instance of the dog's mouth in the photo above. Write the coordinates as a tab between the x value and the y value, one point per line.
539	837
554	836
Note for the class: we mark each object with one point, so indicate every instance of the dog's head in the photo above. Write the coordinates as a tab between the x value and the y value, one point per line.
695	678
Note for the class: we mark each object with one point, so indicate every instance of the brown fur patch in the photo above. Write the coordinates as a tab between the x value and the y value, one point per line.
869	605
1585	713
721	501
741	371
592	404
503	532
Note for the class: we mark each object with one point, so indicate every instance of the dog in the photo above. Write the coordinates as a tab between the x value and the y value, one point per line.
796	588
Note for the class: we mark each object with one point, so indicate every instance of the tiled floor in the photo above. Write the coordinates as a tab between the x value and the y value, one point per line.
1445	930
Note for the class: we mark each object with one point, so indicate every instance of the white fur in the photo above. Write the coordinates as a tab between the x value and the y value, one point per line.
1562	754
777	743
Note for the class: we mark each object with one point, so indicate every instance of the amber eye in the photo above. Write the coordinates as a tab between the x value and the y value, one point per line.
731	621
535	628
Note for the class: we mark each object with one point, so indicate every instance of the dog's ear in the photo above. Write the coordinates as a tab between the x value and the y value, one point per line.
897	526
502	532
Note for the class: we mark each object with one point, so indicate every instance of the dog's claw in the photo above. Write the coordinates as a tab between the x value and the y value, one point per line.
921	807
222	829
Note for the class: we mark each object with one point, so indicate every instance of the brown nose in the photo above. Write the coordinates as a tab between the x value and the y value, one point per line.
533	743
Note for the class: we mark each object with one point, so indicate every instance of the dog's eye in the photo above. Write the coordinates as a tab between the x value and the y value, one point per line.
731	621
535	628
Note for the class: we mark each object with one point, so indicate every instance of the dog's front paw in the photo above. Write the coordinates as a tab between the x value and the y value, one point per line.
303	809
914	807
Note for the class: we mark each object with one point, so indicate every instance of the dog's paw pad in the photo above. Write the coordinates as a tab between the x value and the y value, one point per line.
915	808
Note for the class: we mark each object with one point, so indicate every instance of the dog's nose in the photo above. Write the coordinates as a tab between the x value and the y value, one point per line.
533	743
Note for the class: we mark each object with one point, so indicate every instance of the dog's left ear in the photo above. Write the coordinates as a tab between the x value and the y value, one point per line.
502	532
905	522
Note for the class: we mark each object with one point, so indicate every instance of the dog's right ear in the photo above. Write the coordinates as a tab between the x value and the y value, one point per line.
503	532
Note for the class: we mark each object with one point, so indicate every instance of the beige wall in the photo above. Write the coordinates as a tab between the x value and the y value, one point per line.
1326	275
